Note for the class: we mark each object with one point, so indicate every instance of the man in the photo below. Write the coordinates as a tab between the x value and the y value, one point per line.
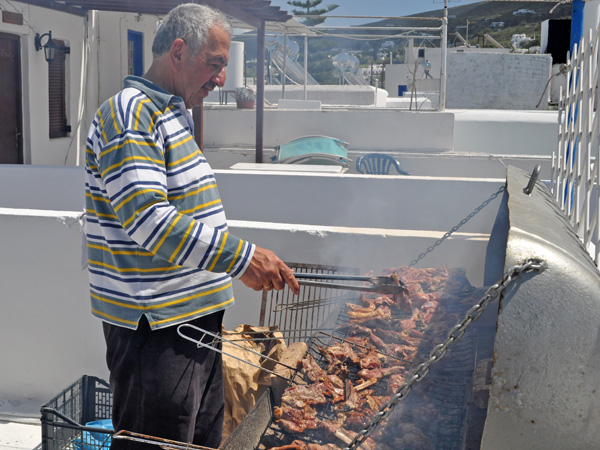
159	250
427	68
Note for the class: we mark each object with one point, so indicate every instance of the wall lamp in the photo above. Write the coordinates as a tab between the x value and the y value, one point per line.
49	47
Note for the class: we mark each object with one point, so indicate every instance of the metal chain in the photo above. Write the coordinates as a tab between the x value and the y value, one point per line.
439	351
456	227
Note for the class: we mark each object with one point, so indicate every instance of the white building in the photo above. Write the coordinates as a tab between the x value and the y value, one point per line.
523	11
49	337
518	39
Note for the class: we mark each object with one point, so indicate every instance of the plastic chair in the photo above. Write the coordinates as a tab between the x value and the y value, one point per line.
378	164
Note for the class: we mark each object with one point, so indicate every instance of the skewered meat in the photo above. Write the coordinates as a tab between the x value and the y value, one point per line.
385	337
305	394
361	313
338	356
379	372
311	369
372	360
354	329
301	445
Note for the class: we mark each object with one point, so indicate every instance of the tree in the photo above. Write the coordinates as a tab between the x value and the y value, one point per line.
309	8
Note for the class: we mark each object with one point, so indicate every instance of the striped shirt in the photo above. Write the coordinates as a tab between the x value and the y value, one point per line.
157	237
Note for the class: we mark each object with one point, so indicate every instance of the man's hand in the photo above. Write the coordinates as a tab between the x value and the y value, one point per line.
267	271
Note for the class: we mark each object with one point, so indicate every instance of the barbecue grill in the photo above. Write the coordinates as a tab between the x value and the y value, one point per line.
524	373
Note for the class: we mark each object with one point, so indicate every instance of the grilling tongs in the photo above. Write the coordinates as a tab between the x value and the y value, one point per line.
381	284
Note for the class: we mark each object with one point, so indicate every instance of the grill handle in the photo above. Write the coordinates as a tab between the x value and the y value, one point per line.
381	288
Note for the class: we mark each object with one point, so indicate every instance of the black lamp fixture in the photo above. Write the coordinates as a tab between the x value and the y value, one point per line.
49	47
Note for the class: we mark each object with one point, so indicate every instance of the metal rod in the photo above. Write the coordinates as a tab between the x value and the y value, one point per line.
216	337
288	331
380	288
166	444
328	276
379	282
369	17
428	29
306	304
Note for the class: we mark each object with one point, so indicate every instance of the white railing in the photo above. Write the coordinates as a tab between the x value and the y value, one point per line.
575	172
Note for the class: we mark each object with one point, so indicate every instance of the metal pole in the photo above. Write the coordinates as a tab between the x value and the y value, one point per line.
443	73
284	65
577	22
260	89
305	65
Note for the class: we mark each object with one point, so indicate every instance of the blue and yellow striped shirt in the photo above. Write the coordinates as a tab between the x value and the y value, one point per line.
157	237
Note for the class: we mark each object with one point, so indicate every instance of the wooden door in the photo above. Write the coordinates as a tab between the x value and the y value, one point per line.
11	126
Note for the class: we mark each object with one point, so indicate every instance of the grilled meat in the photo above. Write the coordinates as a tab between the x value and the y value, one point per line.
385	337
359	314
301	445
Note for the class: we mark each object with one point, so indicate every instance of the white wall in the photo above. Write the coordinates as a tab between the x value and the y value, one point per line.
112	47
362	129
506	132
497	81
591	13
331	94
38	148
49	336
95	68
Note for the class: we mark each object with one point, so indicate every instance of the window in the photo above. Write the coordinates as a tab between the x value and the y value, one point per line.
57	111
135	53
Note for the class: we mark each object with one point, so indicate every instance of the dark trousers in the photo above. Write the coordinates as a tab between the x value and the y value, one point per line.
165	386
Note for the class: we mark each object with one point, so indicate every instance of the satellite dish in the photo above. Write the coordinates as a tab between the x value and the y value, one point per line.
346	63
292	49
271	41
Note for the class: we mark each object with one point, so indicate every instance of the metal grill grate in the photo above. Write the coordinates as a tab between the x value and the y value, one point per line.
314	309
437	409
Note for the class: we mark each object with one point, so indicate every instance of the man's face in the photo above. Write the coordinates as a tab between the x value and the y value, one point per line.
200	74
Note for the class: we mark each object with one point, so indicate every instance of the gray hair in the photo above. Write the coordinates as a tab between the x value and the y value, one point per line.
190	22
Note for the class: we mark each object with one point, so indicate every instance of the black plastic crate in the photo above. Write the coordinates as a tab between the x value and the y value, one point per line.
64	418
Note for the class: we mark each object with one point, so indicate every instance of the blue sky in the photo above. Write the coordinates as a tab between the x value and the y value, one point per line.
377	8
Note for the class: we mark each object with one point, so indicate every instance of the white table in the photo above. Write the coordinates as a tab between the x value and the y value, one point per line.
289	167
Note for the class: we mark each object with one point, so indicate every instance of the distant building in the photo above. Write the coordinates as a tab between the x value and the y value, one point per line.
523	11
518	39
497	24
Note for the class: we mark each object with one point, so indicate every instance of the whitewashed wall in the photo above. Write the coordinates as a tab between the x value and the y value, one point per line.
95	68
361	128
112	47
331	95
38	148
506	132
497	81
49	336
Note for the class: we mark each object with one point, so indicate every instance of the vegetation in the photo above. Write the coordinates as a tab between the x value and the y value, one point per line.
309	8
508	18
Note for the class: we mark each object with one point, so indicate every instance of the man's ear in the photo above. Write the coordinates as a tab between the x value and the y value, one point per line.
176	54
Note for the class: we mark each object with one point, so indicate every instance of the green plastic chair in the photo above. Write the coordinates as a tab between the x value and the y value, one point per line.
378	164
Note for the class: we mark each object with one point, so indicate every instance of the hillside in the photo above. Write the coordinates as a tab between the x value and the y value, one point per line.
480	17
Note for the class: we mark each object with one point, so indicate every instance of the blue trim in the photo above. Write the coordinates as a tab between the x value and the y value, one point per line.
576	22
138	51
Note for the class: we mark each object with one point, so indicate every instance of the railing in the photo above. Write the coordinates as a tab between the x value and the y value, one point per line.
575	171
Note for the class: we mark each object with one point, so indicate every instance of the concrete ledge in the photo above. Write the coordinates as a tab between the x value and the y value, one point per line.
285	103
371	129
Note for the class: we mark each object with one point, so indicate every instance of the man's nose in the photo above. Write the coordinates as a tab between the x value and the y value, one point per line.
219	79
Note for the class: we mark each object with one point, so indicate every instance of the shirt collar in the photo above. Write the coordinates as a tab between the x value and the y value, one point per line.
158	95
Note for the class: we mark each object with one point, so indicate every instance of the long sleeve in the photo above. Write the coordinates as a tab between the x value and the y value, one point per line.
156	225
